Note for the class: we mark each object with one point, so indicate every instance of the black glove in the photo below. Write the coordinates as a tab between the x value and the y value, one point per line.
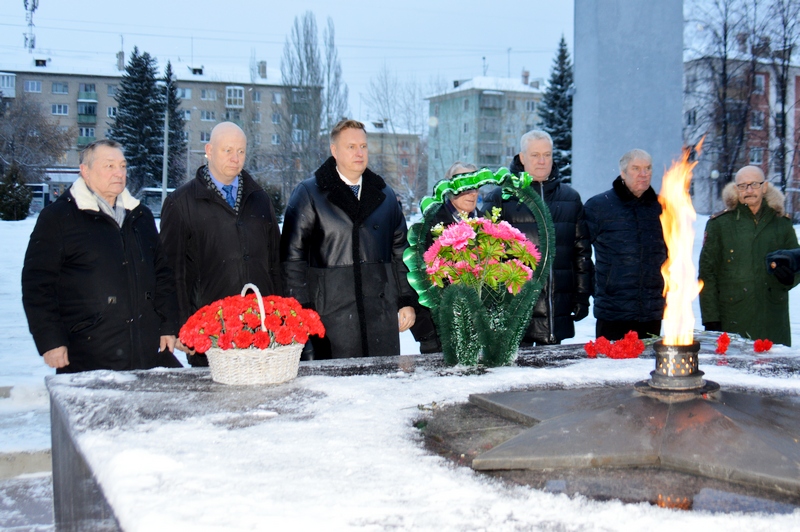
713	326
580	311
783	273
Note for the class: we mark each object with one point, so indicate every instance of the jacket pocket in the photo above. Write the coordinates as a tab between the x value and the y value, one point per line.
85	324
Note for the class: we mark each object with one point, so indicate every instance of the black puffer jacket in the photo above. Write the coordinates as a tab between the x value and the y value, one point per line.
570	281
344	258
629	250
215	250
103	291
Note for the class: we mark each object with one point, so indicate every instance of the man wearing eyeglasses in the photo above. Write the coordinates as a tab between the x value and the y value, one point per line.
739	295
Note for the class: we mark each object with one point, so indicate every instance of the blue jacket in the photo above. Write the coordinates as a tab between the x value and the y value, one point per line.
629	250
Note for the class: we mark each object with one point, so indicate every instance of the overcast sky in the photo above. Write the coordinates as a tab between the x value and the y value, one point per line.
416	38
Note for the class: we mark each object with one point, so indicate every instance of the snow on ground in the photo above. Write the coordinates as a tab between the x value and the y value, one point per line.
414	489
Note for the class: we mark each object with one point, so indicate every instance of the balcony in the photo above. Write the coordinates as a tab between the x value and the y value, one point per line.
87	119
87	97
85	141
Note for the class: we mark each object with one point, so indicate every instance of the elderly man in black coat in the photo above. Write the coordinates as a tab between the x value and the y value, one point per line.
629	250
220	231
342	253
565	296
96	286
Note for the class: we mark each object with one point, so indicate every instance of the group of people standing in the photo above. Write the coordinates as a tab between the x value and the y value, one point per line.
102	289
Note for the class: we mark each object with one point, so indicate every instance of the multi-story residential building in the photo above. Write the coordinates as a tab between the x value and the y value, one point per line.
750	120
396	155
80	95
480	121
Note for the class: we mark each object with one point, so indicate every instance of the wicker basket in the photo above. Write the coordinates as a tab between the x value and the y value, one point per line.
254	366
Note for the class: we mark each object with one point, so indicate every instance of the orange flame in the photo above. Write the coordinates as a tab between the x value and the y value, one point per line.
680	278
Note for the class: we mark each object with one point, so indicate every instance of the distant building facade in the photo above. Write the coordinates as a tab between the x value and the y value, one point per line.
80	95
480	121
752	119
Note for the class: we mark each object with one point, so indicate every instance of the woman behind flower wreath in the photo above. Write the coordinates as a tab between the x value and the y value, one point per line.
454	207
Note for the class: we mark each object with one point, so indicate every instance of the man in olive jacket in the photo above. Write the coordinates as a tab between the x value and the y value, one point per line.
220	231
96	287
342	253
739	294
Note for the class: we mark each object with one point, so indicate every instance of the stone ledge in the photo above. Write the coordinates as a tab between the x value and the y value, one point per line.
21	463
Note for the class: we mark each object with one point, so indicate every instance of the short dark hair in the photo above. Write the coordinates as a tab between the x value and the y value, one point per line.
345	124
88	152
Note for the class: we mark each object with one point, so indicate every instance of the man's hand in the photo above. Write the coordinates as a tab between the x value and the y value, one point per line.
783	273
580	311
168	342
406	318
57	358
180	347
713	326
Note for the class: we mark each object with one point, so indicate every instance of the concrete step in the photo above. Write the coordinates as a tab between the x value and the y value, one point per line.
14	464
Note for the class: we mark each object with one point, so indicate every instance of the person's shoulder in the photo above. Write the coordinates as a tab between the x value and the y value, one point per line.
719	214
601	199
186	190
567	193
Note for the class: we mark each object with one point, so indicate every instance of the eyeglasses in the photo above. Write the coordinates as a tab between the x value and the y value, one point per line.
745	186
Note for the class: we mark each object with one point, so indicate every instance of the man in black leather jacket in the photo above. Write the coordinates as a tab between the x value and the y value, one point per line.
565	296
342	253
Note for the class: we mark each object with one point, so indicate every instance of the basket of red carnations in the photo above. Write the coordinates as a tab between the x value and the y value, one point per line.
251	339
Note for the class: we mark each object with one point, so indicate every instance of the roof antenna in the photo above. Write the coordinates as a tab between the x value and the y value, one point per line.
485	67
30	38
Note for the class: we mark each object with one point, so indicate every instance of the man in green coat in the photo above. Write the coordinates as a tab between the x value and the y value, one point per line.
739	295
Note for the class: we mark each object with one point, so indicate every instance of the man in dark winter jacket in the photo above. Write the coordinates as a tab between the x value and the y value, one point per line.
342	253
96	286
565	296
220	231
629	249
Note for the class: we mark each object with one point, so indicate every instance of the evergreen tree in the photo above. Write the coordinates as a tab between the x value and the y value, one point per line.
177	143
556	110
15	197
139	124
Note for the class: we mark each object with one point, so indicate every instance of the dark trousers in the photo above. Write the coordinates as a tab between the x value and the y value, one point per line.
616	330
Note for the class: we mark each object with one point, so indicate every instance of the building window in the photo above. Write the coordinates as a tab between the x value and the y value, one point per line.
257	96
33	86
233	115
208	94
276	118
758	83
112	90
404	161
511	105
466	104
87	87
111	112
757	120
756	156
234	97
530	106
257	139
205	136
60	109
691	117
86	132
184	94
208	116
7	81
187	115
186	135
256	118
276	98
404	145
276	139
299	135
510	151
87	108
60	87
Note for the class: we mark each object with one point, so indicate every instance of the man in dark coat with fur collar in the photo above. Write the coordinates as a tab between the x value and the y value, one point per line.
740	295
629	249
342	253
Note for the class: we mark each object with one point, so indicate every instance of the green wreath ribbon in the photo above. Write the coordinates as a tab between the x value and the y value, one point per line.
430	295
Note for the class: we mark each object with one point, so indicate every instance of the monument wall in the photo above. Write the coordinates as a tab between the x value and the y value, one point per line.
628	87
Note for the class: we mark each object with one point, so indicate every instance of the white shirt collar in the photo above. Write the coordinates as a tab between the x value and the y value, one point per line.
350	183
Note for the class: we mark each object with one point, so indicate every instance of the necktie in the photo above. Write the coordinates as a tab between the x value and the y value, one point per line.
355	188
228	190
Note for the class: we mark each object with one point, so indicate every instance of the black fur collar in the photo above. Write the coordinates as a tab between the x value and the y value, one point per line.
339	194
626	195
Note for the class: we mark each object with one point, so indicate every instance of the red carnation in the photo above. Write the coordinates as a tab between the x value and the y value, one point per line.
723	341
262	340
762	346
243	339
591	352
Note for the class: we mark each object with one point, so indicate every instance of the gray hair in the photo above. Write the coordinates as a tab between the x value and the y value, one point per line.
465	167
87	154
534	134
635	153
